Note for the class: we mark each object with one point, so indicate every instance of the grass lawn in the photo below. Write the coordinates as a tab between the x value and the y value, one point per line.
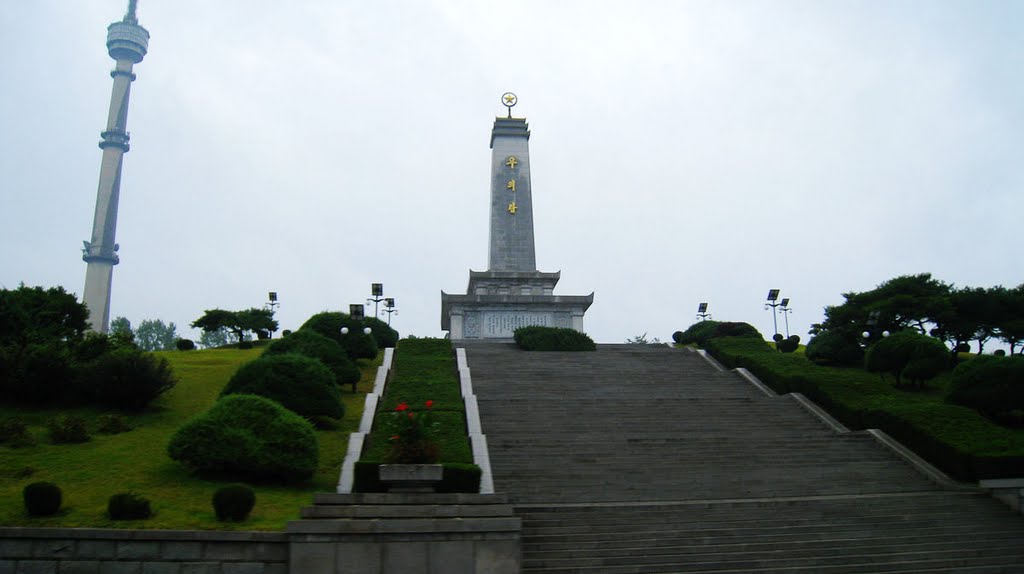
137	461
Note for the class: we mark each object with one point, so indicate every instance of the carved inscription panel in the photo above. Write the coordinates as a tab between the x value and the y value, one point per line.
498	324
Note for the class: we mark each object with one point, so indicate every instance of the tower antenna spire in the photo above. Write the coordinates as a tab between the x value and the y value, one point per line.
130	15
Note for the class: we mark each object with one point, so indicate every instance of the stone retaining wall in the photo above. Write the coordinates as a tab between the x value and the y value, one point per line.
112	551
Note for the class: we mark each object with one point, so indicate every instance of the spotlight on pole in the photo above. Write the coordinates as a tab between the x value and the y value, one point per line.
377	290
786	310
702	312
389	308
773	296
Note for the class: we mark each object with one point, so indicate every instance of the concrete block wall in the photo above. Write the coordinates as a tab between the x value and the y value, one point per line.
110	551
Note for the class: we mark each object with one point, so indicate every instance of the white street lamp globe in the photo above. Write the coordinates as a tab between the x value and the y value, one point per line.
344	330
865	334
885	333
367	331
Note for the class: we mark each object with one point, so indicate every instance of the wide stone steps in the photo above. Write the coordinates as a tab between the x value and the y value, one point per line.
647	459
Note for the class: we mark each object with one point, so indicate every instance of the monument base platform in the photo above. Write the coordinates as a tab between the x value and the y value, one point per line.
499	302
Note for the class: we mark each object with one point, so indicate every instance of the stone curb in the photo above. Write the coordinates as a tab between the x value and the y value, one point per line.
356	439
477	440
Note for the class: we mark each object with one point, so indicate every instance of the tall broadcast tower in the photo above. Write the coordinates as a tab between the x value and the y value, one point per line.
126	43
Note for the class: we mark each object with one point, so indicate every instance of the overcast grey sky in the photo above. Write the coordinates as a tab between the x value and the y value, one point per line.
681	151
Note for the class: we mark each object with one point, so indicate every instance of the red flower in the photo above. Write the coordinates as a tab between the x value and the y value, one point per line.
430	404
402	407
411	416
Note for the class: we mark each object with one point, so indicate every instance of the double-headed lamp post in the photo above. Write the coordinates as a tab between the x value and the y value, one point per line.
356	312
786	310
377	290
389	308
773	296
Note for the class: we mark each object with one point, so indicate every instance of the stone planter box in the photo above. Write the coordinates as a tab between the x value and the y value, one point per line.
410	477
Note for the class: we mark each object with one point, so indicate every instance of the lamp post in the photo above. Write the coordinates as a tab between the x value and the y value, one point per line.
389	308
786	310
872	323
773	296
356	312
272	303
377	290
702	312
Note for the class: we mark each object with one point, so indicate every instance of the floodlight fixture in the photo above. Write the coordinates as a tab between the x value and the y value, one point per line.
272	303
702	308
356	312
773	296
377	289
389	308
272	296
785	302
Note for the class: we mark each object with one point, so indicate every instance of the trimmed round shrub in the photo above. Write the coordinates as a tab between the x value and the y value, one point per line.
908	356
233	502
67	429
356	344
701	331
553	339
778	338
185	345
14	433
789	345
1000	353
678	337
248	436
298	383
245	345
42	498
128	506
286	332
112	424
833	348
127	378
314	345
382	334
993	386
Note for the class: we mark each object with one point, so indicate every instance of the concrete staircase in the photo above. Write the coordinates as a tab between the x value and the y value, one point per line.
647	459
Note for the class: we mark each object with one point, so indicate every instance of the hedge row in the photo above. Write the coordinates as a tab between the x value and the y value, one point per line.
954	438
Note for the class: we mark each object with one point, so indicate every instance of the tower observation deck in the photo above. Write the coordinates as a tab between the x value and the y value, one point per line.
127	43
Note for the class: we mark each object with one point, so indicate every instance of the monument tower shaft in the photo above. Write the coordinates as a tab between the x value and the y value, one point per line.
127	43
511	230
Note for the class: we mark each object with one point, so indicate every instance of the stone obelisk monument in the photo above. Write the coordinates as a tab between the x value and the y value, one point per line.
127	43
511	293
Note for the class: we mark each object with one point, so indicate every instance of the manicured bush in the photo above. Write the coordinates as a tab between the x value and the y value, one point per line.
245	345
908	356
128	506
299	383
383	334
42	498
553	339
314	345
126	378
248	436
993	386
14	433
701	331
185	345
356	344
112	424
233	502
833	348
1000	353
778	338
789	345
67	429
286	332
